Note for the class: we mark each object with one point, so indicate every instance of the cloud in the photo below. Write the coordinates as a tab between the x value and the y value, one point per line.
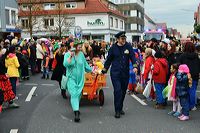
176	13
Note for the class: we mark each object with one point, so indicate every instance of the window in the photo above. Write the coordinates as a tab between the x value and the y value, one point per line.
48	22
70	5
127	13
13	17
121	24
127	26
49	6
116	23
7	17
24	7
133	26
111	21
25	23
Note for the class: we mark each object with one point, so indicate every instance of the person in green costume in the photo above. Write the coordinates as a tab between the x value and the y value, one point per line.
76	66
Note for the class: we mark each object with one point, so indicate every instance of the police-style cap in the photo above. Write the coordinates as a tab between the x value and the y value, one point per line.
120	34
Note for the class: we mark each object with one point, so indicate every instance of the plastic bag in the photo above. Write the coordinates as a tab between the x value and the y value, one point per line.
147	89
64	82
165	92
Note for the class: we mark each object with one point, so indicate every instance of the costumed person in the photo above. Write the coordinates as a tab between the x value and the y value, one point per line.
76	66
183	84
119	55
160	71
39	55
5	85
12	65
59	69
171	95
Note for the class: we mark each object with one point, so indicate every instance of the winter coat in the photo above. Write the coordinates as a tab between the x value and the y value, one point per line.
12	65
160	71
147	67
33	52
39	51
182	85
59	69
193	62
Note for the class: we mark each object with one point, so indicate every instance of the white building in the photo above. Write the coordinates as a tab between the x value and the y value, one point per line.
100	23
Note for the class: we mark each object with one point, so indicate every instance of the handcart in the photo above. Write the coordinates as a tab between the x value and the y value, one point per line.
93	87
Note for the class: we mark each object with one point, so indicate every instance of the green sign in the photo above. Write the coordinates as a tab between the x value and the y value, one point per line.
97	22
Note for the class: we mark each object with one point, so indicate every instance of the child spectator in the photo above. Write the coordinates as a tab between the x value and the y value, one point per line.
160	71
184	82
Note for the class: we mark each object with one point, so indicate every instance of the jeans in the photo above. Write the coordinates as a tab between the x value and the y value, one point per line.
184	101
192	94
13	81
45	72
159	89
120	86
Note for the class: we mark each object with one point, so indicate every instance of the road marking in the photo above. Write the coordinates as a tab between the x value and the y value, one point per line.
31	84
138	99
198	91
47	84
28	99
13	130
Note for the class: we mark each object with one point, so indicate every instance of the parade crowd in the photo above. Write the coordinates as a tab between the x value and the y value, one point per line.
162	70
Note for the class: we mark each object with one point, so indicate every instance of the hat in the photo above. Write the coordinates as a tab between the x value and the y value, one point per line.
24	52
167	41
158	54
183	69
120	34
78	42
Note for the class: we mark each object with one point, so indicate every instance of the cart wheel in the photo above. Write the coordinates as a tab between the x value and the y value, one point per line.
101	97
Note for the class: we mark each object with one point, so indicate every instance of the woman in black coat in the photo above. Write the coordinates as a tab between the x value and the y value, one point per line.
59	69
191	59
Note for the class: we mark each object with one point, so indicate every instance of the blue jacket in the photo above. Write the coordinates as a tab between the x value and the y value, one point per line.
118	57
182	84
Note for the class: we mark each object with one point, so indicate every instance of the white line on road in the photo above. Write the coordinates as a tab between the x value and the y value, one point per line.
138	99
31	84
13	130
198	91
28	99
48	84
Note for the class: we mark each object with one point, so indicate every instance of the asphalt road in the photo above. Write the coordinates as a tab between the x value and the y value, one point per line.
47	112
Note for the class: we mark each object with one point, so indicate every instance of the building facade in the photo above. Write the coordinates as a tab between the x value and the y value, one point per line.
149	24
197	15
90	19
8	17
134	11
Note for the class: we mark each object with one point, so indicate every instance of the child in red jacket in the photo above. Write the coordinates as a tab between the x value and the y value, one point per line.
160	71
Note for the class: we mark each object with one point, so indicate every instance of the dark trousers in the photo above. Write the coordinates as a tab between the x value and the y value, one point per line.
50	64
13	81
184	101
1	97
120	86
33	66
39	61
25	72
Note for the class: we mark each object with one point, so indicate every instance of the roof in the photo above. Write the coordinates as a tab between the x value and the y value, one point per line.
44	1
91	6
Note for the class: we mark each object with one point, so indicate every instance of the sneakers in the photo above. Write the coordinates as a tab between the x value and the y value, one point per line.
181	116
176	114
13	105
194	109
117	115
184	118
171	113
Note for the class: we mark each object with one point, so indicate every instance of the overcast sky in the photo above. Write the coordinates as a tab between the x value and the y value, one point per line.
176	13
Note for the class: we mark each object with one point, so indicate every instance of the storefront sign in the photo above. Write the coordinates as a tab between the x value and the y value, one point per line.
97	22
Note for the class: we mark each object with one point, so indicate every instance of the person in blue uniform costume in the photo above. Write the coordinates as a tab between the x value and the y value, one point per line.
118	58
